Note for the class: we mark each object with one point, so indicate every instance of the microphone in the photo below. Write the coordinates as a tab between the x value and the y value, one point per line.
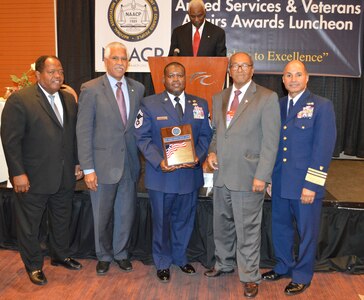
175	52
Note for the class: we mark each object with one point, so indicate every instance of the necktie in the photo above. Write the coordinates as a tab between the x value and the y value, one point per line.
234	105
121	102
196	42
55	109
290	106
178	108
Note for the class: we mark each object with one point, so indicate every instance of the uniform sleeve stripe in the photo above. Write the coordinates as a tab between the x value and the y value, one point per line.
315	179
317	172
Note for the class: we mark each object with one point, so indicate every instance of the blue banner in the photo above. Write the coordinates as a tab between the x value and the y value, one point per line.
326	35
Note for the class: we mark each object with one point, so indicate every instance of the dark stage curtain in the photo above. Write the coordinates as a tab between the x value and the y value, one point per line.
75	21
340	246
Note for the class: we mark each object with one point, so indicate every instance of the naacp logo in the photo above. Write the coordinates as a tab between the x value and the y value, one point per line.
133	20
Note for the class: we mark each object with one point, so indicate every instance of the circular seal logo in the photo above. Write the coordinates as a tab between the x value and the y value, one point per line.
176	131
133	20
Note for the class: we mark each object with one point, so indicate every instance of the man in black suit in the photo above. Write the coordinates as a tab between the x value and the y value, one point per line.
39	138
198	37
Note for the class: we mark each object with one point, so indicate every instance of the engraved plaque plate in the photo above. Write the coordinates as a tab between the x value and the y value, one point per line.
178	146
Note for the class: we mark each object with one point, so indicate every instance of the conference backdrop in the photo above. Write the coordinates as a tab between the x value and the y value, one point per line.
326	35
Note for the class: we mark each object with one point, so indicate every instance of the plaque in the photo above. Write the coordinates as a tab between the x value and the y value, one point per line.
178	146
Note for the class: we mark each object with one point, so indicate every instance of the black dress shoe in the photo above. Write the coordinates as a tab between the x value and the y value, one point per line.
295	288
272	276
215	273
102	267
188	269
37	277
68	263
125	265
163	275
250	289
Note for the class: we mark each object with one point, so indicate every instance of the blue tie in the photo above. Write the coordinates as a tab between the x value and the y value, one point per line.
290	106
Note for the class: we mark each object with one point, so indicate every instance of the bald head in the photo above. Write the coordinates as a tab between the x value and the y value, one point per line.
196	4
295	64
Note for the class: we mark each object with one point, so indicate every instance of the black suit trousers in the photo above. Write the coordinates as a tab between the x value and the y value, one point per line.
29	208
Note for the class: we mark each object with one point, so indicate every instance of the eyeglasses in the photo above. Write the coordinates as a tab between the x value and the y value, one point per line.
244	66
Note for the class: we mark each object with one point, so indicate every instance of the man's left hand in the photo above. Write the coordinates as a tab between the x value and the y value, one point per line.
307	196
258	185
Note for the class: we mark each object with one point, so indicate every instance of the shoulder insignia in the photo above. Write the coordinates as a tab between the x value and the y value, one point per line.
139	119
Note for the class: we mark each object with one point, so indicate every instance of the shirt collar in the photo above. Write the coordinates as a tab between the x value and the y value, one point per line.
295	99
45	92
113	80
199	29
182	97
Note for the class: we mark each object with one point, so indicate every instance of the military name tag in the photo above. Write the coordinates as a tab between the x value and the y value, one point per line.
178	146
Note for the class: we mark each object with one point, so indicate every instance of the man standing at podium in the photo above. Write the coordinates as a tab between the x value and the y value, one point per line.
198	37
246	124
172	190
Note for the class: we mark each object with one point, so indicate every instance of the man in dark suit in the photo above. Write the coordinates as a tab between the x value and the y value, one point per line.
108	154
38	131
173	190
307	141
242	153
198	37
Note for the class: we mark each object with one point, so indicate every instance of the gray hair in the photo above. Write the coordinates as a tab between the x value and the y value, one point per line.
114	45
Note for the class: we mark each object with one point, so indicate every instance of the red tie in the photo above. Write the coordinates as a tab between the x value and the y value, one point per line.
121	102
196	42
234	105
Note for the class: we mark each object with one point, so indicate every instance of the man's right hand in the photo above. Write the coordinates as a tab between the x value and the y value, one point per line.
212	161
91	181
21	183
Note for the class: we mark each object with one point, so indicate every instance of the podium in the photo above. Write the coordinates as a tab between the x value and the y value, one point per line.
205	76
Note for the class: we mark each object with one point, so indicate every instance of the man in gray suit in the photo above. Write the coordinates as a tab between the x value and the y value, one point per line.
246	124
108	154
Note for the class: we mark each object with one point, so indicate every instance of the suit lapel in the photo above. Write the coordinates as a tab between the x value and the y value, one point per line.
132	104
225	103
283	105
189	106
205	38
188	40
64	107
168	107
298	106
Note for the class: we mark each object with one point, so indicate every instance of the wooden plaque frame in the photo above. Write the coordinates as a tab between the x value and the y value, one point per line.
178	145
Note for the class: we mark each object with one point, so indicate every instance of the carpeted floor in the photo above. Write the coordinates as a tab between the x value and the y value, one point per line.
345	181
